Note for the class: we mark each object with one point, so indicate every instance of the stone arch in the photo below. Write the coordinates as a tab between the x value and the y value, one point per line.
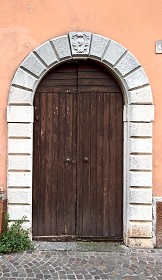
137	116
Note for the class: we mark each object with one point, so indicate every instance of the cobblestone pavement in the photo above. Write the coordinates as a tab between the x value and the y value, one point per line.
46	262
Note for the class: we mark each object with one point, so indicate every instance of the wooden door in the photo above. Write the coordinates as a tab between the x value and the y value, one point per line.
77	166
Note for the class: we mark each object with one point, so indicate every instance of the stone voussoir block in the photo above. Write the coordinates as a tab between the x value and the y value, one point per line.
98	46
136	79
127	63
140	96
20	96
62	47
113	53
24	80
34	65
47	54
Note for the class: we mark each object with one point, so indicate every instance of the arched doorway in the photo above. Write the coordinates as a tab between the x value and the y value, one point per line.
138	115
78	154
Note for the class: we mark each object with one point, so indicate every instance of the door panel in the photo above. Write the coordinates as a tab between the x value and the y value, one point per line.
77	166
54	177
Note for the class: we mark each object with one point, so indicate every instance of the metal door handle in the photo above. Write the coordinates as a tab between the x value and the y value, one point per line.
67	160
86	159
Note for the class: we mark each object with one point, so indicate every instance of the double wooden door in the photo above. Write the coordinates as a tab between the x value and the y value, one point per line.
78	155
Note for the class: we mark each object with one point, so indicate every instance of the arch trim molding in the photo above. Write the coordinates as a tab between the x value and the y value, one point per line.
138	117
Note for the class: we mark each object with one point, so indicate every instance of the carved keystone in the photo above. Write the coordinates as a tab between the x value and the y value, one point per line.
80	43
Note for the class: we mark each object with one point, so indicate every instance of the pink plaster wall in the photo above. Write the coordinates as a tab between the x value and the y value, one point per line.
25	24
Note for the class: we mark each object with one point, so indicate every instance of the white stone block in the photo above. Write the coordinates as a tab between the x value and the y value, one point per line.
113	53
19	179
19	163
24	80
140	242
98	46
140	162
47	54
138	145
140	229
24	130
140	212
34	65
127	64
136	79
80	43
19	196
26	225
19	114
140	96
20	146
142	179
140	129
20	96
141	113
16	212
137	195
62	47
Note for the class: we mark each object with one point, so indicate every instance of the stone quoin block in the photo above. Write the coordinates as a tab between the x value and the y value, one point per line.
47	54
140	196
127	64
19	179
20	163
140	96
140	229
140	212
140	242
34	65
62	47
142	179
23	79
20	146
19	196
20	114
20	96
136	79
113	53
138	145
141	113
140	129
24	130
98	46
16	212
140	162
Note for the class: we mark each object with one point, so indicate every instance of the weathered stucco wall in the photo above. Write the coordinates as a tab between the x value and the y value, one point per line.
26	24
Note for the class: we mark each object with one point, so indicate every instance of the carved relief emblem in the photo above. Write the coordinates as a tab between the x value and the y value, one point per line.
80	42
